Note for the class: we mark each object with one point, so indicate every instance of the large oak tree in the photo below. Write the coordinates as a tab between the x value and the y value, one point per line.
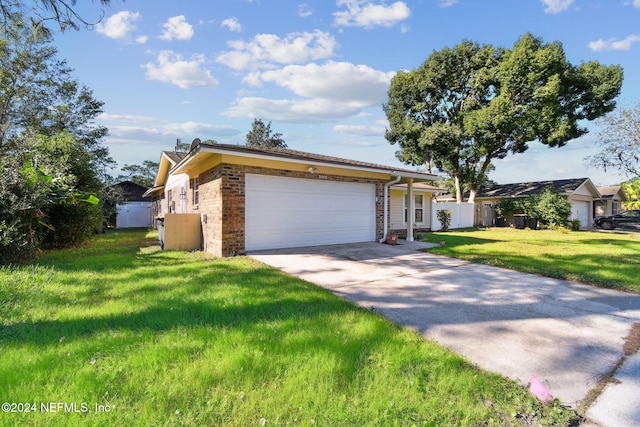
468	105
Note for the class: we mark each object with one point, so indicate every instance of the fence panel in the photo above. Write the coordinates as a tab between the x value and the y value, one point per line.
461	214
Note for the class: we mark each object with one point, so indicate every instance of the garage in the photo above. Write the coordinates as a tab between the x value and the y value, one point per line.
580	211
283	212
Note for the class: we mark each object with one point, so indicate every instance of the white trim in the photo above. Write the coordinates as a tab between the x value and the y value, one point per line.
404	206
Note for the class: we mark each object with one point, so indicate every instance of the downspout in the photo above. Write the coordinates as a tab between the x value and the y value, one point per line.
386	207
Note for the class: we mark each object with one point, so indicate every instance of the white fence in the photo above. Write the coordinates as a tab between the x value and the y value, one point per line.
462	214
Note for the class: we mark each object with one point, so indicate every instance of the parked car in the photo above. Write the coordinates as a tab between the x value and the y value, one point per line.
622	219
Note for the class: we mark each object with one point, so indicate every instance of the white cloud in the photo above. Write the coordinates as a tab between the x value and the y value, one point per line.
364	13
119	25
636	3
172	68
124	118
613	44
337	81
157	130
304	10
353	130
447	3
232	24
142	39
268	49
292	110
556	6
326	92
177	28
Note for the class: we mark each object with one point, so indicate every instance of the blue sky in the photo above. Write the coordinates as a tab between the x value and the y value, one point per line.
319	70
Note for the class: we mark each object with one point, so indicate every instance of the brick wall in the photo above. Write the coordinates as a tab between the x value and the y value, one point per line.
222	201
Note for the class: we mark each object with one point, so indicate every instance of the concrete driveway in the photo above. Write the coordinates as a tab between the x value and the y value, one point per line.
567	334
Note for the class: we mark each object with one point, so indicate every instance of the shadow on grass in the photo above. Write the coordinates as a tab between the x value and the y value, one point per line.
259	305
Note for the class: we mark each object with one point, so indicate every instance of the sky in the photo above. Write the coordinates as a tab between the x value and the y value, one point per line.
319	70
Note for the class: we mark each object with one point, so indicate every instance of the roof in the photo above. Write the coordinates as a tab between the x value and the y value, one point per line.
610	192
174	156
524	189
295	156
133	192
168	160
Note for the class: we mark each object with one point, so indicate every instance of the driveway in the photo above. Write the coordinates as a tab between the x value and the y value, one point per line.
567	334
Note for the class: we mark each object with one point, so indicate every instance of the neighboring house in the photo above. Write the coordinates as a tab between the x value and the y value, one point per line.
610	202
399	215
252	198
580	192
135	211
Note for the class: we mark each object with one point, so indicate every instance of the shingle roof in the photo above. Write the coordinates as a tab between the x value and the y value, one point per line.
524	189
287	153
132	191
174	156
609	192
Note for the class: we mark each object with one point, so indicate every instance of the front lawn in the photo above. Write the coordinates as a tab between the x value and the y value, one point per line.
605	259
120	333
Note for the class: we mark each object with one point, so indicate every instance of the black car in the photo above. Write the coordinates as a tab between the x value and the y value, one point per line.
622	219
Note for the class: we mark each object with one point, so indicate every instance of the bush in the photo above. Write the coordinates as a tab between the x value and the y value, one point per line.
444	216
73	223
552	209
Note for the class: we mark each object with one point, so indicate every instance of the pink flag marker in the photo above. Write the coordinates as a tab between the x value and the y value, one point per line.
539	390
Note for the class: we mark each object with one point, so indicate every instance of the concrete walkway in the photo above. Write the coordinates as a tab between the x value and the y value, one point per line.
567	334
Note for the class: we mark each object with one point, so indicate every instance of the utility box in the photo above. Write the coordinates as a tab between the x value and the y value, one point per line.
181	232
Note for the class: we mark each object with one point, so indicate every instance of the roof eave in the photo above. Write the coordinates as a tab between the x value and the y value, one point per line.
153	190
180	167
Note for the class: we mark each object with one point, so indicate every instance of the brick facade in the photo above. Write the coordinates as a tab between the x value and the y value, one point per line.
222	204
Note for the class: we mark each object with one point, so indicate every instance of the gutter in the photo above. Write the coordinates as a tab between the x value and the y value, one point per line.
386	206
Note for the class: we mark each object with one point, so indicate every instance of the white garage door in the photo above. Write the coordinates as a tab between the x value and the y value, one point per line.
580	211
291	212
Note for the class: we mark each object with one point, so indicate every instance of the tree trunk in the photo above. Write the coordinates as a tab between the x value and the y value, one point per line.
458	189
472	195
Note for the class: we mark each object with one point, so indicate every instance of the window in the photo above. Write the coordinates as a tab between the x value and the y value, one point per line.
169	201
419	206
615	207
196	191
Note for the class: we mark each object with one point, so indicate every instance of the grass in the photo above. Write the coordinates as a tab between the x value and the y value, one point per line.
175	338
605	259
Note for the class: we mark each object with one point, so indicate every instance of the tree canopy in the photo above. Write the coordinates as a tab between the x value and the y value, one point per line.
631	189
261	135
62	12
144	174
50	148
468	105
619	141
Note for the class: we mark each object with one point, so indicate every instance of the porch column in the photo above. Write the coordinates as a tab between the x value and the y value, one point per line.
412	210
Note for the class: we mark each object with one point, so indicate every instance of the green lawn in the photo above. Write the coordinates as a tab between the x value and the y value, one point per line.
174	338
605	259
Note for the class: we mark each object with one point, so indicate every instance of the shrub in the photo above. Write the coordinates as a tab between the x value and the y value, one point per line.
552	209
575	224
444	216
73	223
